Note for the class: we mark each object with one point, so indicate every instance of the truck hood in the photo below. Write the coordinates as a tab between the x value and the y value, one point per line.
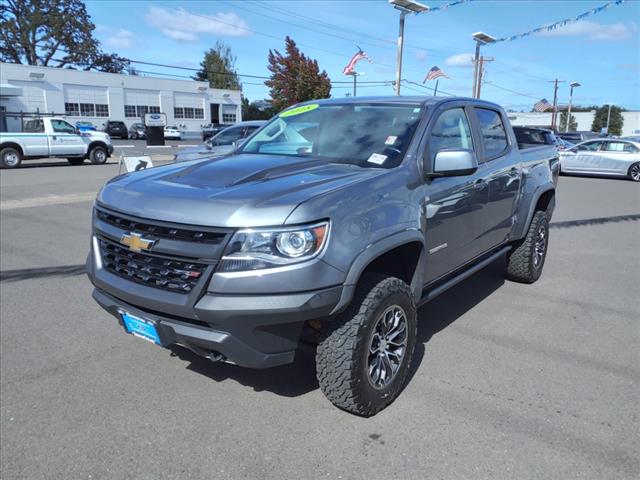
246	190
95	135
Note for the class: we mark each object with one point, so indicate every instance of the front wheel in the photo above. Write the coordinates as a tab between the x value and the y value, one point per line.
363	360
98	155
634	172
525	262
10	158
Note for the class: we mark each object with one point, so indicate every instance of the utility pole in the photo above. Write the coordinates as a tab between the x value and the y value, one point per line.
476	65
554	115
399	56
481	73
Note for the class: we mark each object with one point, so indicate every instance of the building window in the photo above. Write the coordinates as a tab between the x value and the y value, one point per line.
87	110
188	112
72	109
102	110
129	111
228	118
154	109
178	112
142	109
199	113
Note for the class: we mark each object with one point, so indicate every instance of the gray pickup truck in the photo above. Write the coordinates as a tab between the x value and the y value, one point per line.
335	222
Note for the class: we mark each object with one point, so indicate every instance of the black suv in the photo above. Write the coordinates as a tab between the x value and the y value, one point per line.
116	129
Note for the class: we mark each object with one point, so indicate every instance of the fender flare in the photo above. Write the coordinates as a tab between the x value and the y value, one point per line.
374	251
10	144
532	206
96	143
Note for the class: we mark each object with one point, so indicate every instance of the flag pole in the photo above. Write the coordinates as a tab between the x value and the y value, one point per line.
435	90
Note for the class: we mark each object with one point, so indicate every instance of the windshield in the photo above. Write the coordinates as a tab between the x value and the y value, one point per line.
367	135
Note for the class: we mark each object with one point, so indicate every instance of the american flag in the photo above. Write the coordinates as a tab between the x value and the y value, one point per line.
542	105
349	69
434	73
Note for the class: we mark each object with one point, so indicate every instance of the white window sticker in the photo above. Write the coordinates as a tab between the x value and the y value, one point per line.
377	158
391	140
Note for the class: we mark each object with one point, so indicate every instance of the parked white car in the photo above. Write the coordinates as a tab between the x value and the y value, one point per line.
611	157
53	137
172	132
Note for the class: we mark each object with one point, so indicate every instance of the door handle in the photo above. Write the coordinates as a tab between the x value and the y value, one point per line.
514	172
54	137
479	184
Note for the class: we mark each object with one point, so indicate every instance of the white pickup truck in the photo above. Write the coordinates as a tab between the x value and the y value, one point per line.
53	137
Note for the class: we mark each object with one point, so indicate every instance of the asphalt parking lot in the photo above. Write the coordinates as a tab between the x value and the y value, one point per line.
509	380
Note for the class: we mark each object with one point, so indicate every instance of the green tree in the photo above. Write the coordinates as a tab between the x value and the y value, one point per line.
295	77
256	110
615	123
573	125
219	68
53	33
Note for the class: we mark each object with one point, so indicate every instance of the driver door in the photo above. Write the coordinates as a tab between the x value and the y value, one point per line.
65	141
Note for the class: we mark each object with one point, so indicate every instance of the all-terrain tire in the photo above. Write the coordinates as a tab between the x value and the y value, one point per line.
75	161
10	158
525	262
98	155
342	357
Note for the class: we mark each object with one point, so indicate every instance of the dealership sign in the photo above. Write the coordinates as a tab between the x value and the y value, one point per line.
155	119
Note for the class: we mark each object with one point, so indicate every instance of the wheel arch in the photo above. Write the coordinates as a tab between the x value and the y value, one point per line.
543	199
97	143
15	145
400	255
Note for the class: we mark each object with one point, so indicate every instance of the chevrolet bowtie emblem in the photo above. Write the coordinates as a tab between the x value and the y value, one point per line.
136	242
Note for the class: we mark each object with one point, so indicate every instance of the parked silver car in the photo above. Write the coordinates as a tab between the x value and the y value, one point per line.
615	157
222	143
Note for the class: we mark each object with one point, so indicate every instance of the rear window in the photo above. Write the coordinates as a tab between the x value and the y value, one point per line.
494	135
34	126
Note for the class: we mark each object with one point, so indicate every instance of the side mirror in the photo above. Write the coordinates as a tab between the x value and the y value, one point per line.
453	163
238	143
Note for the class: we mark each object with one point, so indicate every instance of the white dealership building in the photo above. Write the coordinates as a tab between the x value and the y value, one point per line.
97	97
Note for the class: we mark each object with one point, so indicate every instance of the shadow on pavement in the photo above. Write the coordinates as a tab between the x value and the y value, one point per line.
61	163
299	377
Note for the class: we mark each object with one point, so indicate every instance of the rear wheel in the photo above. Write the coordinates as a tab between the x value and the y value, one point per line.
98	155
75	161
634	172
10	158
524	264
363	360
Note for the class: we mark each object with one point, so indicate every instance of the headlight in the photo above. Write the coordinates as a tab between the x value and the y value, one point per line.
255	249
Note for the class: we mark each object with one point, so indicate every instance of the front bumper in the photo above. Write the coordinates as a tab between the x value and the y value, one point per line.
109	150
253	332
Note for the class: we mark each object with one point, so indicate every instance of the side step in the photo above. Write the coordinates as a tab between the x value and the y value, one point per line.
463	275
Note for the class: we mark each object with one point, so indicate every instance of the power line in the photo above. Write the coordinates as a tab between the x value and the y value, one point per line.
511	91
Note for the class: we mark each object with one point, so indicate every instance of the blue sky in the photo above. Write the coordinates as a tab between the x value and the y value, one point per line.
602	52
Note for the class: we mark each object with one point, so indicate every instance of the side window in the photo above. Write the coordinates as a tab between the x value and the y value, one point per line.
629	147
451	131
60	126
228	137
34	126
589	146
617	147
494	135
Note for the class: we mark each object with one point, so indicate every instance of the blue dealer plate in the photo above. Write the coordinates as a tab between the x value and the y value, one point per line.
140	328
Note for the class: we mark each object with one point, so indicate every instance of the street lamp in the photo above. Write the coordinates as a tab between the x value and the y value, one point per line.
404	6
572	85
481	38
608	118
355	76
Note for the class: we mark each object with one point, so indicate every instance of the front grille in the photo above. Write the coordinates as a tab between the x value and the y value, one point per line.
191	234
166	273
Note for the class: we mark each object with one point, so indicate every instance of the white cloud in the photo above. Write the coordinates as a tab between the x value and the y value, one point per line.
183	26
460	60
421	55
121	39
593	31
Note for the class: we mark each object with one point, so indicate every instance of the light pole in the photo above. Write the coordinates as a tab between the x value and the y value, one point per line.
608	118
404	6
355	75
481	38
572	85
